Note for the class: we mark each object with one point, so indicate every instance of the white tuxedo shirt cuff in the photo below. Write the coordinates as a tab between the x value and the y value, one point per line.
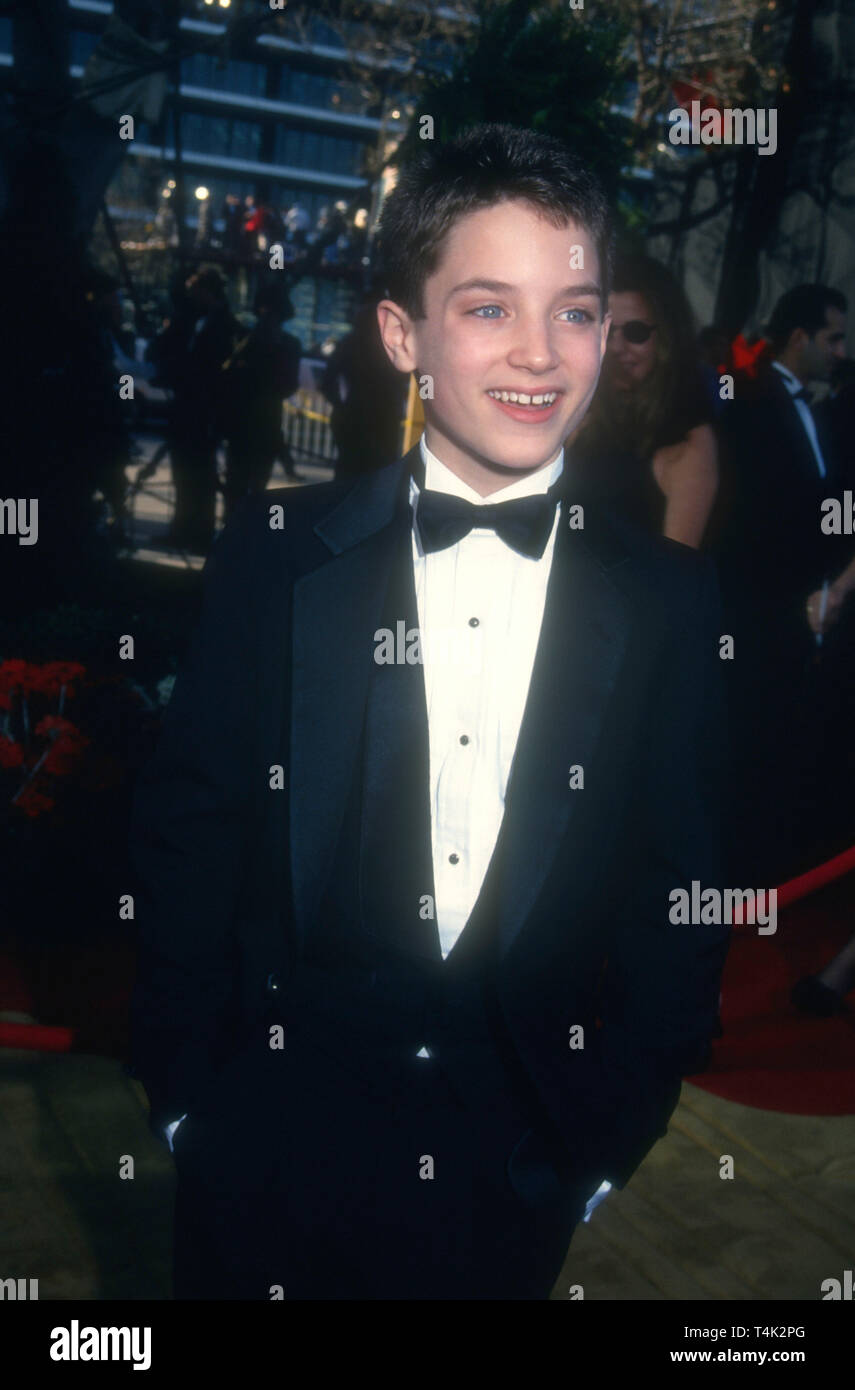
602	1191
169	1130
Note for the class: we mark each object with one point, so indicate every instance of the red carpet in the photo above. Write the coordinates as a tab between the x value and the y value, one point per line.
84	990
771	1056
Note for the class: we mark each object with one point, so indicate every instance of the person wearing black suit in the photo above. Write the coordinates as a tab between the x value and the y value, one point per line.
194	426
779	567
410	992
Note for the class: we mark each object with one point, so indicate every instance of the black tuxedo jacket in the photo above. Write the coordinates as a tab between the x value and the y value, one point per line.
771	550
232	871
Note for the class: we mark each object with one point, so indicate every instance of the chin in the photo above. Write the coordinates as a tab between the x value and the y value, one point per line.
515	464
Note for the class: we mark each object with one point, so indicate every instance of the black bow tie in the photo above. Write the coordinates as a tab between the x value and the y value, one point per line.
524	524
804	395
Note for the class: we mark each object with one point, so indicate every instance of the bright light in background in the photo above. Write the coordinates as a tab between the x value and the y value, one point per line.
224	4
202	193
170	183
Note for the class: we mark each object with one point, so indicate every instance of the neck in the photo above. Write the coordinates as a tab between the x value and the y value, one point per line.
791	366
482	475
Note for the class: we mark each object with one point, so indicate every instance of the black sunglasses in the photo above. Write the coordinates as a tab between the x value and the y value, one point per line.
635	331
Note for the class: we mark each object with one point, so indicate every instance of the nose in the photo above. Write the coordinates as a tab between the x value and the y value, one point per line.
533	347
617	340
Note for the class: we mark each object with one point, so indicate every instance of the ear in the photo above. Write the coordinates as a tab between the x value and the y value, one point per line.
397	334
797	340
604	334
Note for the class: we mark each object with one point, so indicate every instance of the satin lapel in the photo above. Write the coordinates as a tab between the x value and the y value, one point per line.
800	446
828	447
337	610
396	864
582	643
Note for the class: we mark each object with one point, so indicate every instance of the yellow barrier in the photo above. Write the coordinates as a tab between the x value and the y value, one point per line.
412	424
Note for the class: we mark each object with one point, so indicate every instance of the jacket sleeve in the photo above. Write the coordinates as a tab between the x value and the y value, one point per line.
659	1001
188	839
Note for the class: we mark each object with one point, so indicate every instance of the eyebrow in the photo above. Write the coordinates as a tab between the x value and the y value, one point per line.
500	287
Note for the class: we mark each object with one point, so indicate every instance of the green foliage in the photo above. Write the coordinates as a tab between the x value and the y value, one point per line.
542	68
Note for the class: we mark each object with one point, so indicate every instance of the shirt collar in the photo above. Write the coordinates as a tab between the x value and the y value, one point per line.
439	478
791	382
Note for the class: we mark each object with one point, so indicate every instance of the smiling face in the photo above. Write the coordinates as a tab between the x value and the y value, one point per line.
628	364
505	314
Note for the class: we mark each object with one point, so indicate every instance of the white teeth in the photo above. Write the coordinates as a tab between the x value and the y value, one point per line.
519	398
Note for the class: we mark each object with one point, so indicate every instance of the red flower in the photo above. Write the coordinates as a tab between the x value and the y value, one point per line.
65	755
748	357
50	679
56	726
33	802
68	744
11	753
18	674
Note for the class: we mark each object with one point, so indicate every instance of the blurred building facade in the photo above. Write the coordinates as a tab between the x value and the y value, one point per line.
272	123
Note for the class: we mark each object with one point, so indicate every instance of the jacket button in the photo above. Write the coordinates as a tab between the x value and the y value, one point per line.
272	987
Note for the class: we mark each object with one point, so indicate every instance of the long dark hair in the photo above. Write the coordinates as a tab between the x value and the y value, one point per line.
638	418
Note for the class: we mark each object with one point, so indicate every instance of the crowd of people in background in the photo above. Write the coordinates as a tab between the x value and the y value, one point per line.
227	384
243	230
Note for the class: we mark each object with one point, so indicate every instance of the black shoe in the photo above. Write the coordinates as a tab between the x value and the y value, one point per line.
811	996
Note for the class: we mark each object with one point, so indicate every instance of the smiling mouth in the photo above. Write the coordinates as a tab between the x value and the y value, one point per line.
536	401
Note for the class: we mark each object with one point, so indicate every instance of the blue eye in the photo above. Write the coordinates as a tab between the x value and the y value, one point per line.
585	316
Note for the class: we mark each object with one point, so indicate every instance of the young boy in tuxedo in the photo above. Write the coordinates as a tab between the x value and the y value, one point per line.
409	996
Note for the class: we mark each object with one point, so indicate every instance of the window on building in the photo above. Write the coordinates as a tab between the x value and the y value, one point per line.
245	140
287	146
81	46
220	135
207	70
247	78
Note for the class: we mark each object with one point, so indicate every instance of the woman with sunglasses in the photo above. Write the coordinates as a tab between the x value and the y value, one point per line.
647	444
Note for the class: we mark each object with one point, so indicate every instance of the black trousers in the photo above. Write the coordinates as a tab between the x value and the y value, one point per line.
304	1176
194	474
